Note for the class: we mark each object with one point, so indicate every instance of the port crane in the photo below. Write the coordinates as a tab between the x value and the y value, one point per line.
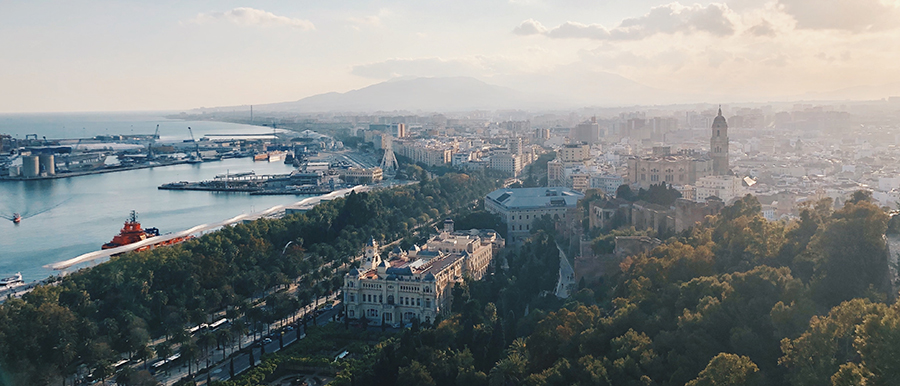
196	157
152	141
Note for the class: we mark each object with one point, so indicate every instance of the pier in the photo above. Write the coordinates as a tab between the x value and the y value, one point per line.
297	183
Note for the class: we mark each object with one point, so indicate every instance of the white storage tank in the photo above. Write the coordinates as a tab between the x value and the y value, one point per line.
48	164
30	166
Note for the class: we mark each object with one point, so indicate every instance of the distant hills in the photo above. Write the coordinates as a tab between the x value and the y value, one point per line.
428	94
442	94
565	88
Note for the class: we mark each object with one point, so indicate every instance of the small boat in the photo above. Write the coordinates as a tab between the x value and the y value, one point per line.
12	281
17	218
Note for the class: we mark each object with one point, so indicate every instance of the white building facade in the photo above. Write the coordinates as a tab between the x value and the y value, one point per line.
518	208
417	284
725	187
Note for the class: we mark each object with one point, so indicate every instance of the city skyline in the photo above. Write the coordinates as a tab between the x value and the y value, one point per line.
73	56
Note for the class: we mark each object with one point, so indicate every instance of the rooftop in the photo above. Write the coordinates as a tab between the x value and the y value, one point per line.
535	197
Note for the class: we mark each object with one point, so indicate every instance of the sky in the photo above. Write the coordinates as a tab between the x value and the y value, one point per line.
64	55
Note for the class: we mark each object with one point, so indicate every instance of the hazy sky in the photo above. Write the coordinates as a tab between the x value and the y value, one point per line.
147	55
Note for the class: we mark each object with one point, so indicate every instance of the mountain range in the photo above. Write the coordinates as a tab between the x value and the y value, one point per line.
562	89
443	94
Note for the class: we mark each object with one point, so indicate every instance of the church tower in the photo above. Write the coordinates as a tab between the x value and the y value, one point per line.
718	145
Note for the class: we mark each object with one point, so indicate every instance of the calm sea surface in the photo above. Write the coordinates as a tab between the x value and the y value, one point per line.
85	212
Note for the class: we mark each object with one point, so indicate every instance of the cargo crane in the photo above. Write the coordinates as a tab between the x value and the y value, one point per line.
150	144
195	158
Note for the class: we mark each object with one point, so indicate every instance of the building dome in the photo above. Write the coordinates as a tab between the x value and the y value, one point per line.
719	122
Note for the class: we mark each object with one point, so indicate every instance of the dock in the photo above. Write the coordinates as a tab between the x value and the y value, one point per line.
296	183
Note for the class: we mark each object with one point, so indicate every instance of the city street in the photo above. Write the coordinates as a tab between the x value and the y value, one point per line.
222	368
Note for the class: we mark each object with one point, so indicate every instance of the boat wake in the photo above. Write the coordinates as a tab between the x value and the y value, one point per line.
26	214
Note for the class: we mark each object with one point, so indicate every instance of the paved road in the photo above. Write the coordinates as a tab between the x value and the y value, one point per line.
222	370
566	282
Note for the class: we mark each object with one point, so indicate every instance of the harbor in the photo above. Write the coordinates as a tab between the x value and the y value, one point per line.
93	207
61	218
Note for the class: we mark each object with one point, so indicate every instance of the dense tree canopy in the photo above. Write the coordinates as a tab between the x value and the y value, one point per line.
718	305
94	316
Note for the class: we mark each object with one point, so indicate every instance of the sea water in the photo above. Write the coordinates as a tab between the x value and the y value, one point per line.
64	218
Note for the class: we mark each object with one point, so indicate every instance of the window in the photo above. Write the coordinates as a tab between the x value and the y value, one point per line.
352	297
381	298
372	313
388	317
390	299
418	302
427	303
351	313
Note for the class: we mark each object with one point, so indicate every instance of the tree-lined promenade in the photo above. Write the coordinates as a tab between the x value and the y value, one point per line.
96	316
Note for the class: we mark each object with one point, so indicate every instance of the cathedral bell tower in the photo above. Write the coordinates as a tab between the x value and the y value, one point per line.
718	145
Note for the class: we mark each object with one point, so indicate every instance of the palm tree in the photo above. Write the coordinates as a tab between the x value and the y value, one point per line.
239	329
143	353
189	351
163	351
206	340
223	337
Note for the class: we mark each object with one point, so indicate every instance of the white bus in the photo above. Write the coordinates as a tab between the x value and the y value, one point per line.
218	324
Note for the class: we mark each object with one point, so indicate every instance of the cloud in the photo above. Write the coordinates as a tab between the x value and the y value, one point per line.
848	15
572	29
672	18
530	27
255	18
764	28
